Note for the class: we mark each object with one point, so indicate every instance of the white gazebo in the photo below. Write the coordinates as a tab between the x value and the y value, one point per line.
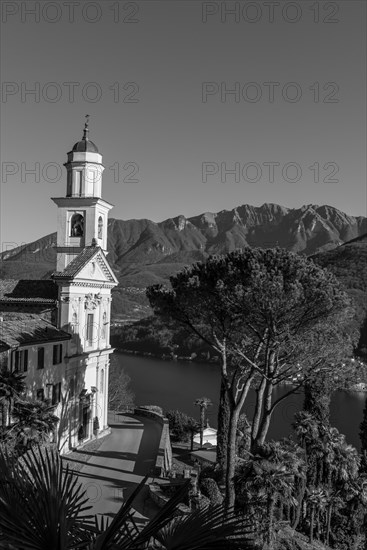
209	436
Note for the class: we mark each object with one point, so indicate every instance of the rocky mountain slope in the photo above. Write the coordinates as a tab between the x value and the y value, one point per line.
348	262
143	252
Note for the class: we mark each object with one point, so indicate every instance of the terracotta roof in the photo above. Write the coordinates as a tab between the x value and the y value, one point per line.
27	328
78	263
28	290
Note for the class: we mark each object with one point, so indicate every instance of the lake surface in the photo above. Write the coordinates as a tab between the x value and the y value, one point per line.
176	385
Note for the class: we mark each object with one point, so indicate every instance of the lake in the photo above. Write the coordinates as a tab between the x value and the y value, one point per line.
176	385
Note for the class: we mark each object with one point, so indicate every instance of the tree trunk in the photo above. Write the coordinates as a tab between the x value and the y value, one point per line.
257	415
263	405
230	495
3	414
282	509
271	506
265	421
10	410
318	524
299	507
328	524
312	523
223	428
202	422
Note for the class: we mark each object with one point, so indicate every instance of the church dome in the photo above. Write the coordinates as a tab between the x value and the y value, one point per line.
85	146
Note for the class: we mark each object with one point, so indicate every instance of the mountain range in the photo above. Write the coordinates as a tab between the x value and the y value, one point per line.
144	252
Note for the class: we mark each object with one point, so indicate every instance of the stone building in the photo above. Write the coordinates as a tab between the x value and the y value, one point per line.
57	331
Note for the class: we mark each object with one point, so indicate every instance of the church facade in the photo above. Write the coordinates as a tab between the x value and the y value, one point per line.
57	331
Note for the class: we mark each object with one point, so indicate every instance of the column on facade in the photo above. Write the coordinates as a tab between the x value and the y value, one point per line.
100	323
108	310
80	329
98	408
105	390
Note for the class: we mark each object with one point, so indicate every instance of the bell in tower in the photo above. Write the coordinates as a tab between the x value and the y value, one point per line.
82	213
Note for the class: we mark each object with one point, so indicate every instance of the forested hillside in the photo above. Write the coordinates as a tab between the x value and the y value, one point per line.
348	262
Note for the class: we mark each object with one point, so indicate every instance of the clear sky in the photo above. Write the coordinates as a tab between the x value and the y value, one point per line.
155	78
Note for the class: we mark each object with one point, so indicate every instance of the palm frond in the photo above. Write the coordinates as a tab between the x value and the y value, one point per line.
213	528
42	506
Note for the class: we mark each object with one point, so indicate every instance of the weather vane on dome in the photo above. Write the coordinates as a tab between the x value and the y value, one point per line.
86	127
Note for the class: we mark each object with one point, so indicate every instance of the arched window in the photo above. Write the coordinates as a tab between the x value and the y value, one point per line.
100	227
101	381
77	226
104	326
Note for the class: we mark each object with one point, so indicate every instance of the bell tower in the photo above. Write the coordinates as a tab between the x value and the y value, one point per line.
82	213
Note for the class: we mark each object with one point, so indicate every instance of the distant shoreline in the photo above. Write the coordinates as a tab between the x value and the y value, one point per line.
167	357
358	388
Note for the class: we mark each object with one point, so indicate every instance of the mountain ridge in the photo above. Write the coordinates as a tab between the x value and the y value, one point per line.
308	230
143	252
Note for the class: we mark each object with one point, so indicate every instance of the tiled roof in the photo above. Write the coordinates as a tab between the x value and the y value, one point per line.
27	328
78	263
28	290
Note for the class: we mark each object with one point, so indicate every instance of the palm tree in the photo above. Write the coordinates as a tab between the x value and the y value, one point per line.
192	427
291	456
12	385
317	501
42	506
34	421
265	483
203	403
278	484
333	502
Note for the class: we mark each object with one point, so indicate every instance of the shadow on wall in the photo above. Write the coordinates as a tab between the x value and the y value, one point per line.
63	386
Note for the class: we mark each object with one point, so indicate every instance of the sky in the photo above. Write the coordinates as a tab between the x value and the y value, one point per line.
195	106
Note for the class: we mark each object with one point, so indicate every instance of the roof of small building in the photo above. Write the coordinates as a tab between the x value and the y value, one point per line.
210	456
210	431
28	290
17	329
78	263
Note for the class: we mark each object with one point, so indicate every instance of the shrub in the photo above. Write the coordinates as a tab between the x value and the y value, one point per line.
180	425
210	489
211	472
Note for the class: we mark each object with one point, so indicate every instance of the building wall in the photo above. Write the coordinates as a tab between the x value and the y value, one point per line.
51	378
66	381
38	378
87	360
76	303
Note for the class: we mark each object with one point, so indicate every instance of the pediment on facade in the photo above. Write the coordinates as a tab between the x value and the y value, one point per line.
90	266
96	269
